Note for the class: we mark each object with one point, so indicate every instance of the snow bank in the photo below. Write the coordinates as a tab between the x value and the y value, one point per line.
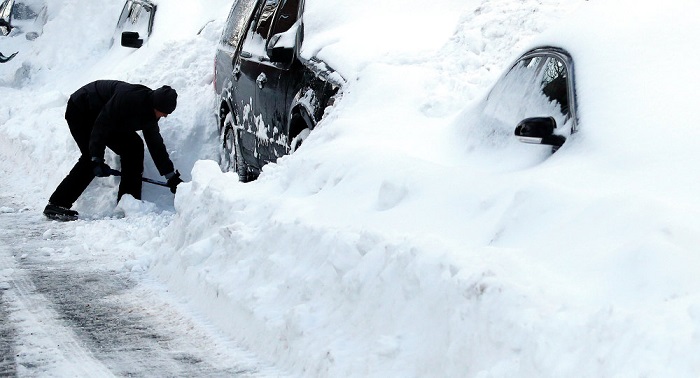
385	247
394	243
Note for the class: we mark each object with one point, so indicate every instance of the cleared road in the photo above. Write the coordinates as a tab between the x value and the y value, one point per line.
74	317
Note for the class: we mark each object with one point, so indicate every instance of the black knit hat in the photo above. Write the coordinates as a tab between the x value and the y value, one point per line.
165	99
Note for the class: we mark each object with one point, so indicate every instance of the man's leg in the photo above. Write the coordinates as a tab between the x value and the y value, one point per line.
129	147
74	184
81	175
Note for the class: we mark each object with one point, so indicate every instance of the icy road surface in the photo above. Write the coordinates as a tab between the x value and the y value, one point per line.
65	314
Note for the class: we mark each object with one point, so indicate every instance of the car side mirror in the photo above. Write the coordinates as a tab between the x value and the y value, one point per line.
539	130
131	39
280	49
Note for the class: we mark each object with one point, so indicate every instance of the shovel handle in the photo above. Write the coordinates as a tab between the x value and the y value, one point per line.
114	172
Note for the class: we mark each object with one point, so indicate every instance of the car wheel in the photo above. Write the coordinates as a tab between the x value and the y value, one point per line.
231	159
299	130
298	140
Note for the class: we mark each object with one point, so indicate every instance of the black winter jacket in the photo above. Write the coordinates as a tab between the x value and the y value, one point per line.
119	107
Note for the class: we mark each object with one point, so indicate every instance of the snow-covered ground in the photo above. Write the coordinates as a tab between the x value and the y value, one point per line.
394	243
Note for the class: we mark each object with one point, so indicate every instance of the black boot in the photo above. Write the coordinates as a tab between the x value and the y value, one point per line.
60	213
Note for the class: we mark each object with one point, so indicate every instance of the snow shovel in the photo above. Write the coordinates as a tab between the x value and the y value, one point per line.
114	172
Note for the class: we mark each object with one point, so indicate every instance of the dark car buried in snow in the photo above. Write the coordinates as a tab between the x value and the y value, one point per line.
135	23
269	97
17	17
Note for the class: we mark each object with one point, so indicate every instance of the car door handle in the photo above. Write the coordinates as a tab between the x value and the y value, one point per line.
261	80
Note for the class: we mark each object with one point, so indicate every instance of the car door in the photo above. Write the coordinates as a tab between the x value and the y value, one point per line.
226	57
280	77
249	70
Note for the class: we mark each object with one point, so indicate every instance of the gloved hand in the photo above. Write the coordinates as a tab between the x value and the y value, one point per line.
173	180
99	168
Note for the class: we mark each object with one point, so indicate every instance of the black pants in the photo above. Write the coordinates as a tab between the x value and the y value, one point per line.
128	145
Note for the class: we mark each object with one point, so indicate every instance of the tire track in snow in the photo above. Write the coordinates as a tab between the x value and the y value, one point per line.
120	330
7	336
39	342
72	316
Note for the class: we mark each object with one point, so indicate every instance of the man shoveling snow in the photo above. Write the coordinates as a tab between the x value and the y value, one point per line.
107	114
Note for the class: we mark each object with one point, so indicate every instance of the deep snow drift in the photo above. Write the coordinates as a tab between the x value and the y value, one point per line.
399	240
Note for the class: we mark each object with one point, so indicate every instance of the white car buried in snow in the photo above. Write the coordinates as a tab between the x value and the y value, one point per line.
605	229
624	89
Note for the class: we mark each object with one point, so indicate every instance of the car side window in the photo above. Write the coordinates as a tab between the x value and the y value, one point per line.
134	12
284	33
136	16
508	101
5	8
286	17
5	15
536	86
555	85
262	27
259	27
237	18
273	18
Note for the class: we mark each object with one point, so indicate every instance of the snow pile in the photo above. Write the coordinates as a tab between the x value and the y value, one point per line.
402	240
